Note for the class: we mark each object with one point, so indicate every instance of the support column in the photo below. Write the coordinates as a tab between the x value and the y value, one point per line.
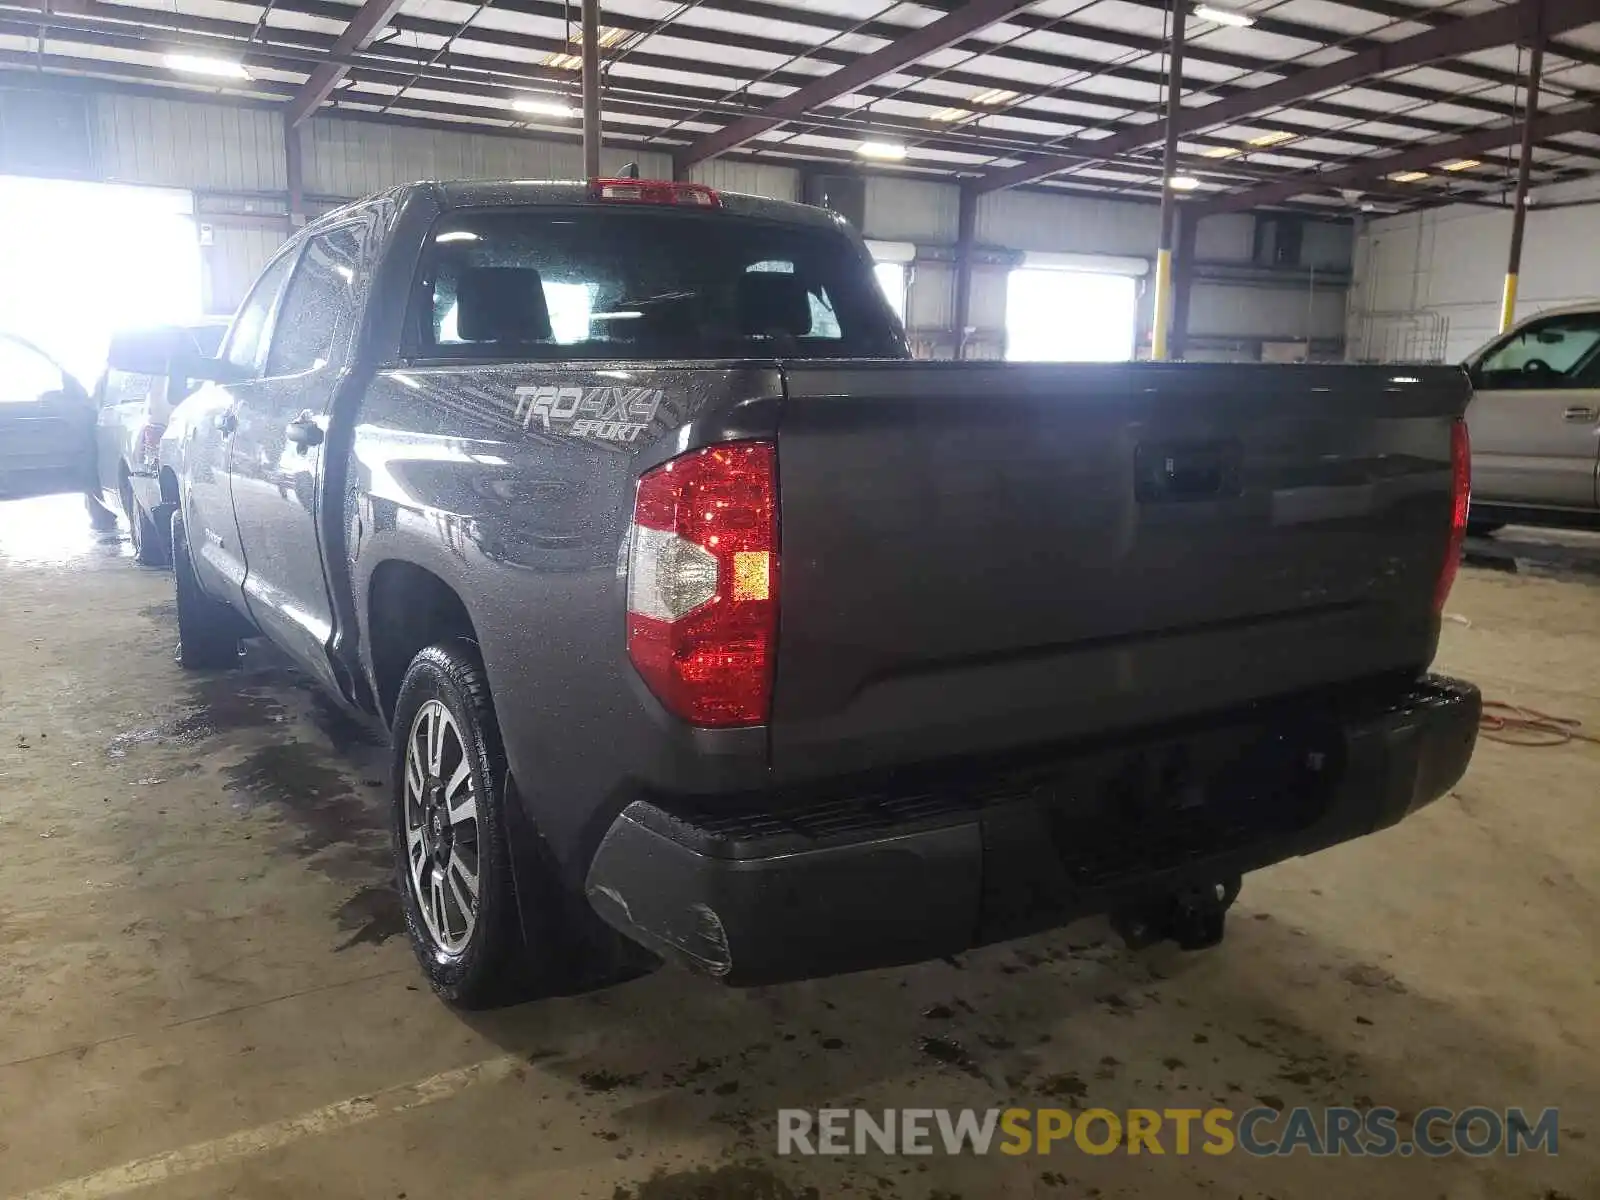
1182	281
966	238
1169	165
591	89
294	174
1519	211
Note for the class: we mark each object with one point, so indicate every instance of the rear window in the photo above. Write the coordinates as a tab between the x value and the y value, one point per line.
623	283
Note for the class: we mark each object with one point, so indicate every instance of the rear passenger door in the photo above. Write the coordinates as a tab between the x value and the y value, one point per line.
204	428
278	448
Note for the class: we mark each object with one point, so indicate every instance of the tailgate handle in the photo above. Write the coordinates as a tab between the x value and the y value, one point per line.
1167	472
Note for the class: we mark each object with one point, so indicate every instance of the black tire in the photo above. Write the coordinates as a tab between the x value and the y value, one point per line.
1483	528
150	549
491	963
208	630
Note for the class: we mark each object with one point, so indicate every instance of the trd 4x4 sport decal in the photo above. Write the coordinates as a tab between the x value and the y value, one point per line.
613	414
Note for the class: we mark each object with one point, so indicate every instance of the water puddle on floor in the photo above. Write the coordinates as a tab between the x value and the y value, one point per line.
56	531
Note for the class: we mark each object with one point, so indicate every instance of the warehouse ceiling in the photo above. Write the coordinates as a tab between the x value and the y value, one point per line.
1319	104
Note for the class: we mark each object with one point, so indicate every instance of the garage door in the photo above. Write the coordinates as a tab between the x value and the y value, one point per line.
80	260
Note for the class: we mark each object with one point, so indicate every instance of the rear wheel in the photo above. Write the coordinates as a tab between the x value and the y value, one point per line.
452	842
208	630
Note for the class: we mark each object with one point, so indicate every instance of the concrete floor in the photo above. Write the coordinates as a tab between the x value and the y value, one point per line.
204	989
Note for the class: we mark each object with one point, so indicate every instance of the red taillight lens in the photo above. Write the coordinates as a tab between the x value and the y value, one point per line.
703	583
1460	500
654	191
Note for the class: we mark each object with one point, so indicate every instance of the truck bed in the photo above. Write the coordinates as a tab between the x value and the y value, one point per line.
978	556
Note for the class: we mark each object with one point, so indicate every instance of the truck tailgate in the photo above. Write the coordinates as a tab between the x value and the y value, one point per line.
981	556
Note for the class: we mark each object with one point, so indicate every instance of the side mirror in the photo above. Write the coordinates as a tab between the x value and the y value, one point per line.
211	370
146	351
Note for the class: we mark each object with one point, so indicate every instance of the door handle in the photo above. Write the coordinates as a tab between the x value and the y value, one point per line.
304	432
227	422
1578	413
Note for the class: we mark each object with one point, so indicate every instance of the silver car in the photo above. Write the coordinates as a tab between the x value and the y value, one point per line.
1535	422
134	407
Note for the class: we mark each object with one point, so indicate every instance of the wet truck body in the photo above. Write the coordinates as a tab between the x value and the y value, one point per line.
802	657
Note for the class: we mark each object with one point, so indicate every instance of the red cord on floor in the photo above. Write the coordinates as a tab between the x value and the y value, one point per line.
1518	726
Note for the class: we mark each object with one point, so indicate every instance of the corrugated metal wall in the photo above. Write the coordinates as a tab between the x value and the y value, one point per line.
179	144
234	158
1434	278
355	158
233	260
1037	221
754	179
910	210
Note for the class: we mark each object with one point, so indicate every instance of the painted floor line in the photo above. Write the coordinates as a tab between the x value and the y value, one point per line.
249	1143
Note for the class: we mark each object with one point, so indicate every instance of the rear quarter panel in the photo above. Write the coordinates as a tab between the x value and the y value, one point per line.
513	483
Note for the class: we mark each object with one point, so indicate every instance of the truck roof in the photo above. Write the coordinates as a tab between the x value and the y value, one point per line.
477	193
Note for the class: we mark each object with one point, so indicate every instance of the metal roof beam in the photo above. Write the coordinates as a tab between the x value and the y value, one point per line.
1497	27
868	68
365	25
1479	141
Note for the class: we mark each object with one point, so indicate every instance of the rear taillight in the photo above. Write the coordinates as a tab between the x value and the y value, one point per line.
1460	499
703	583
654	191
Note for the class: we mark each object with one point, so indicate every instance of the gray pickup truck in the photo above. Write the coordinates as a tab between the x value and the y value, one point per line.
705	623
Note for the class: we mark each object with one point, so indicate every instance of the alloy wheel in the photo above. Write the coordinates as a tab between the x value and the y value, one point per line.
441	827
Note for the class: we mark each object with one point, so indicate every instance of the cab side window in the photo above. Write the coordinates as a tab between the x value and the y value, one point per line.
243	348
1558	352
319	304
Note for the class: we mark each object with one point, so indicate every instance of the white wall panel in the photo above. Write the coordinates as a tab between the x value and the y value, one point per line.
1326	245
232	261
1038	221
181	144
910	210
989	297
930	298
1447	266
356	158
1238	311
754	179
1227	237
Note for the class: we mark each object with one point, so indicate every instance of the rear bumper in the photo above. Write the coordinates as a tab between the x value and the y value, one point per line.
907	869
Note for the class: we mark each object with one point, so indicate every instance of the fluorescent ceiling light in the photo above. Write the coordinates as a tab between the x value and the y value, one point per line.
1276	137
1223	16
881	150
1183	183
1408	176
1462	164
995	96
572	60
195	64
543	108
457	235
952	115
1221	151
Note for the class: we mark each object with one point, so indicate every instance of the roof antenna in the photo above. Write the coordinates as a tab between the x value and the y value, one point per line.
631	171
